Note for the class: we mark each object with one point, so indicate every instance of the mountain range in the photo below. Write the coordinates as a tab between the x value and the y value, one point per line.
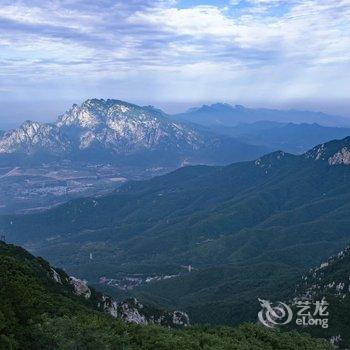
114	131
224	114
224	235
289	137
119	132
93	148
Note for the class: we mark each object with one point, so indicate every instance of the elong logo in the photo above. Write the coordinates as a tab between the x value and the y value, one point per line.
280	313
270	316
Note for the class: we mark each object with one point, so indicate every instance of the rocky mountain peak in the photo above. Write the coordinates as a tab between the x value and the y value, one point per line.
31	127
88	115
112	125
112	129
31	136
341	157
335	152
94	113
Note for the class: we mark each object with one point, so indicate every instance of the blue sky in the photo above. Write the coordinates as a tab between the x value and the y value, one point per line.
173	54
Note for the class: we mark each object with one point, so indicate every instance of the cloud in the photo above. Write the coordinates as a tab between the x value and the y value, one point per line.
244	48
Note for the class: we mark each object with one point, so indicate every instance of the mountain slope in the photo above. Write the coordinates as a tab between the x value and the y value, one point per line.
34	137
330	280
38	310
60	286
223	114
254	217
117	131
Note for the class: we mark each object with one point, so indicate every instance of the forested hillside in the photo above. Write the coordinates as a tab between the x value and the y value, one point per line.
247	230
330	280
38	310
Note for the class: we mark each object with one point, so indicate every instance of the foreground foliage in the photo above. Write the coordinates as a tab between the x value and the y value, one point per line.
38	313
96	332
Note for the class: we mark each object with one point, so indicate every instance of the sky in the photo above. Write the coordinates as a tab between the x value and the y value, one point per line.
173	54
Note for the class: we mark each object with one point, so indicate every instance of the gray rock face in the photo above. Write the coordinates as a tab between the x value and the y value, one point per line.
56	276
34	137
114	125
80	287
341	157
180	318
335	152
110	306
130	310
323	280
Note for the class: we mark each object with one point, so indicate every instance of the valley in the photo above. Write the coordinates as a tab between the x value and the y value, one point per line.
26	189
243	229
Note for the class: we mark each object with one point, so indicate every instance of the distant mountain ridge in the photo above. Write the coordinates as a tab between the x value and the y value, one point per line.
289	137
116	131
113	130
225	114
92	147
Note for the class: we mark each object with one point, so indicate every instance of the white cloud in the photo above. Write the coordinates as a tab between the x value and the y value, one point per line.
199	20
272	47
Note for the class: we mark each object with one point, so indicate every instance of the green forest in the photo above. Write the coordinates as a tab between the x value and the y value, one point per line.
36	312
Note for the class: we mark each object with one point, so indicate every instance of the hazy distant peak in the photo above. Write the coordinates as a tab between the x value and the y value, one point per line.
213	107
221	105
227	115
